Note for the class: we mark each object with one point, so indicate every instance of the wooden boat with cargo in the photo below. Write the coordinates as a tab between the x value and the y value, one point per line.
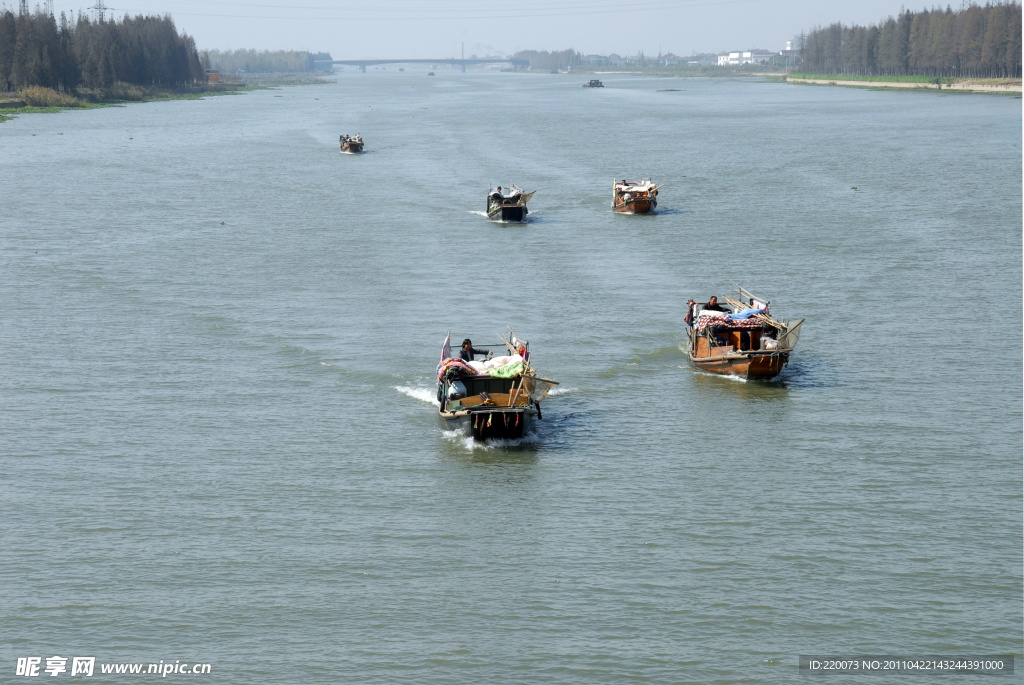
508	205
495	399
351	145
745	342
593	83
634	198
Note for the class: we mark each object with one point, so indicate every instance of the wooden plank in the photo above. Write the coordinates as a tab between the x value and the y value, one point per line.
500	399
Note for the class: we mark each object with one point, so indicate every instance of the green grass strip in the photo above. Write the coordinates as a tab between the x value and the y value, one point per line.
876	79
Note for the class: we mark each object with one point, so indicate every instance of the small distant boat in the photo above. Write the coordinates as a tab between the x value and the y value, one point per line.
508	206
634	198
351	144
593	83
746	342
401	69
498	398
430	74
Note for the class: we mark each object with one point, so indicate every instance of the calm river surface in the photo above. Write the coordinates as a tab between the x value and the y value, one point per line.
219	337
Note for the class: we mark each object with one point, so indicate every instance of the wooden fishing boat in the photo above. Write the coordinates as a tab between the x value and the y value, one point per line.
508	206
745	342
351	144
634	198
496	399
593	83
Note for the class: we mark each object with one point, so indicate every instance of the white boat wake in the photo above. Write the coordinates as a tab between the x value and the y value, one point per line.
471	445
422	394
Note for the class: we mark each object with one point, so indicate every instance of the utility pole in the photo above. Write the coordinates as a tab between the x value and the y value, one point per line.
99	7
23	8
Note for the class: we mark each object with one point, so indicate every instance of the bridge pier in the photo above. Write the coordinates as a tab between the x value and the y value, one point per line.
362	68
463	68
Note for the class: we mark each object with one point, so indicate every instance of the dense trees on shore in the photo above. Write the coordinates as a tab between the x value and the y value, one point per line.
543	60
266	61
973	42
37	50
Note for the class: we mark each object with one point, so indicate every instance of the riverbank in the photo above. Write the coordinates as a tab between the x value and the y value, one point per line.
1010	86
36	100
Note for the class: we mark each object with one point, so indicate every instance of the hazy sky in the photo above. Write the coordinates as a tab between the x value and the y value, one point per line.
437	28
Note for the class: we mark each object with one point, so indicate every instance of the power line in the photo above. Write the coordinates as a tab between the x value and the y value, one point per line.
559	8
348	16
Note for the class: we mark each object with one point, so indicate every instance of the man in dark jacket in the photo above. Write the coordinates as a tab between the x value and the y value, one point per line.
467	351
713	306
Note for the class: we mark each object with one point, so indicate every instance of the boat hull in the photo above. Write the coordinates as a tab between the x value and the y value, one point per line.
352	148
507	213
754	367
491	423
636	206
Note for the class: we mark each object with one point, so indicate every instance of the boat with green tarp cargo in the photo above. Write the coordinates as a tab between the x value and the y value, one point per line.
498	398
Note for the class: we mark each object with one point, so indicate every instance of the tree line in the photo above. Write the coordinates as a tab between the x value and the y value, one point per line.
544	60
265	61
37	50
973	42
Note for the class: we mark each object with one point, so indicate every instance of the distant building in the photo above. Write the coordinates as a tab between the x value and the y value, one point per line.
745	57
709	58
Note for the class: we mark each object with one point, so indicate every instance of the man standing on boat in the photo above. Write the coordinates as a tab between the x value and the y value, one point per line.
467	351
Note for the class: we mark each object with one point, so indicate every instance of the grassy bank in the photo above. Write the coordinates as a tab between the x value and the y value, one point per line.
874	79
962	85
35	99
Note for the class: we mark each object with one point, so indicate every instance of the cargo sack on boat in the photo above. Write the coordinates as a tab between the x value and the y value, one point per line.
502	361
537	388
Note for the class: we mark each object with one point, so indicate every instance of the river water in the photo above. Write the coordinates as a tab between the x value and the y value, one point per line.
219	337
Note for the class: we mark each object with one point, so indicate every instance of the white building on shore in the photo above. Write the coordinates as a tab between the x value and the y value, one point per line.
746	57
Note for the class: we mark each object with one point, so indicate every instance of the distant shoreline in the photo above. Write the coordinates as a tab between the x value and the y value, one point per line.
963	85
14	104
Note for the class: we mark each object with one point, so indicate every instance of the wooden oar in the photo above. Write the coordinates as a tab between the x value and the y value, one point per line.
512	397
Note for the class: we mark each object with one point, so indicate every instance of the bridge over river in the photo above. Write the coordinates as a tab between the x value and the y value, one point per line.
363	63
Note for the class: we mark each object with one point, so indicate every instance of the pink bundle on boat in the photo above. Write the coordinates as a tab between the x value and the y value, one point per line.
444	366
